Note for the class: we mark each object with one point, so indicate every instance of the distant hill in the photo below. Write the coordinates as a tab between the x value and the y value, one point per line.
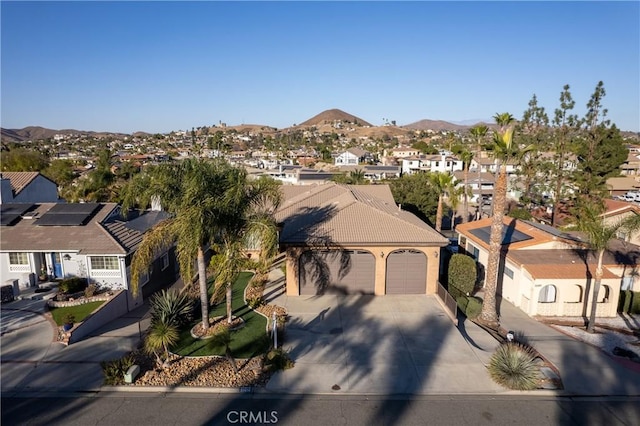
331	115
437	125
36	132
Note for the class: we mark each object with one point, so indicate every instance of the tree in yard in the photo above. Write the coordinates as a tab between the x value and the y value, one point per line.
416	194
478	133
504	150
251	225
598	235
600	150
199	196
466	157
564	132
444	185
533	130
23	160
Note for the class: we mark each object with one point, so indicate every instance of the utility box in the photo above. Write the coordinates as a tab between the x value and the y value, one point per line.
6	293
131	373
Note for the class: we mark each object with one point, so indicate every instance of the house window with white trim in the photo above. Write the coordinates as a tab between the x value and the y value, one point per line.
19	262
475	252
18	259
104	262
547	294
165	261
508	272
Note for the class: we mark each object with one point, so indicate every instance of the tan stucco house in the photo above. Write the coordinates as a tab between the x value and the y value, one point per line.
547	272
354	239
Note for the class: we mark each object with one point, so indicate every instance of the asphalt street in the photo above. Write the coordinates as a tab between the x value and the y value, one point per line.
219	409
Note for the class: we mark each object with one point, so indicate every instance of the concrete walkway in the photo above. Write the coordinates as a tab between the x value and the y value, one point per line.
585	369
33	361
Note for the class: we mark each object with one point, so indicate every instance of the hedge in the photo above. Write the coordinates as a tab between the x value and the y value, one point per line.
470	306
629	302
72	285
462	273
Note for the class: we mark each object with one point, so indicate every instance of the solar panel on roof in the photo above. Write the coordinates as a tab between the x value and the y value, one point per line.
71	214
73	208
62	220
10	213
509	235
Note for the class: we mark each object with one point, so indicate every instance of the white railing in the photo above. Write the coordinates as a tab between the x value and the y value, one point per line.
19	268
105	273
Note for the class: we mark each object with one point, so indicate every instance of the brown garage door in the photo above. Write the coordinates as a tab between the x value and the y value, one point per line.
336	272
406	272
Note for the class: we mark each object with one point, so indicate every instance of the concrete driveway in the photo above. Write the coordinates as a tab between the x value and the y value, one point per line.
381	345
32	359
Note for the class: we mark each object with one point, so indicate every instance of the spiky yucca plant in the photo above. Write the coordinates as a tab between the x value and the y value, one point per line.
513	366
172	308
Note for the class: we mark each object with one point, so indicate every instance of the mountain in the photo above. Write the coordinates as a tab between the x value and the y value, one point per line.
36	133
331	115
436	125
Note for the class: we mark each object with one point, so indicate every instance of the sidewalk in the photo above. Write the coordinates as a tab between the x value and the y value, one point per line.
584	369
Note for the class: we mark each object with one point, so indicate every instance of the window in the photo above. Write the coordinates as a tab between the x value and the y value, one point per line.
475	252
18	259
165	261
508	272
144	277
105	262
547	294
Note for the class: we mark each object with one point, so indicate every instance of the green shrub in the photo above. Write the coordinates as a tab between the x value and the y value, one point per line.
114	370
69	319
72	285
624	301
470	306
474	307
172	308
462	273
91	290
520	213
513	366
255	302
278	359
635	304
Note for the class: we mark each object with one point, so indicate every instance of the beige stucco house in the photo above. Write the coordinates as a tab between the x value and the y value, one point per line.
354	239
547	272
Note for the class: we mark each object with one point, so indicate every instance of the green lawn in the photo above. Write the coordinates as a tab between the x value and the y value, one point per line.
80	312
249	341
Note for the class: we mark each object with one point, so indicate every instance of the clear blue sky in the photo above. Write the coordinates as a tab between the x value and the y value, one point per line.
162	66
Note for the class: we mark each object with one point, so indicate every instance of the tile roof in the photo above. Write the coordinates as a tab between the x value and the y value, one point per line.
351	214
105	233
19	180
559	272
537	236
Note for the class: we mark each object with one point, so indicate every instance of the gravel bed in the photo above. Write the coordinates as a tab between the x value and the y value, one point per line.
604	338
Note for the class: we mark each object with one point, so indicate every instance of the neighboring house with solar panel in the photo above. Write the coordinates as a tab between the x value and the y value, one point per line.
546	272
27	187
91	240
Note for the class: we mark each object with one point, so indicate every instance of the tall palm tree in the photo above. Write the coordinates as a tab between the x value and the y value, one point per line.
598	235
251	225
197	194
504	150
479	132
444	184
466	157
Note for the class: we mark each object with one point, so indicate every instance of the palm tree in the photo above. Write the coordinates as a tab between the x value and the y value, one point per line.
466	157
479	132
598	235
504	150
250	226
197	194
161	337
444	184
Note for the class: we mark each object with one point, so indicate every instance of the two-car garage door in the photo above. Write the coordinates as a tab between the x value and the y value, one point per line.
336	272
353	272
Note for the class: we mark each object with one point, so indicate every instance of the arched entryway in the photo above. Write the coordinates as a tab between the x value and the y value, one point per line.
406	272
